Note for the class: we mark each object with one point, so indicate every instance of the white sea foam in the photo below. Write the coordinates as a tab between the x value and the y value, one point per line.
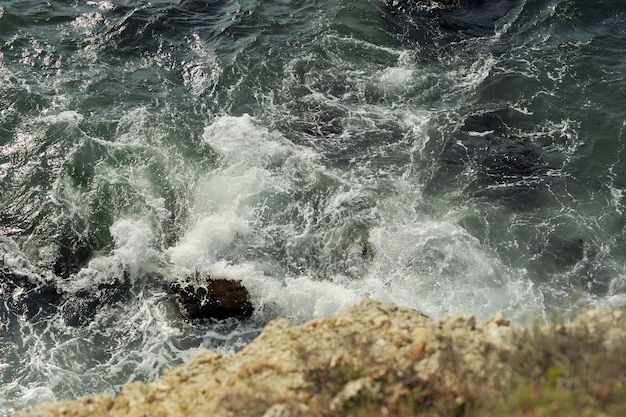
617	301
432	265
241	141
226	203
396	77
102	5
203	243
37	395
256	164
135	245
437	267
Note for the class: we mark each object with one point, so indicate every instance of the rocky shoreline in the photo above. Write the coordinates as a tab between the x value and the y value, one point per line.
376	360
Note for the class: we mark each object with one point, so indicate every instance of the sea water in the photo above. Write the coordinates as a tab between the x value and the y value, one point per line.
321	152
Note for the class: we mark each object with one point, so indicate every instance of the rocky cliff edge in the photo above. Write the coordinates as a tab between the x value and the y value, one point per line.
376	360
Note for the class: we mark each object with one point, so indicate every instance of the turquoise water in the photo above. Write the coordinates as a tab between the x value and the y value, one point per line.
322	152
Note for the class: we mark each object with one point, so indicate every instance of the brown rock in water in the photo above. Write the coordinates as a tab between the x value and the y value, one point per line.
203	298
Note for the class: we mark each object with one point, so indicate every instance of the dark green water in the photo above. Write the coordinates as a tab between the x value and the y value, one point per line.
320	151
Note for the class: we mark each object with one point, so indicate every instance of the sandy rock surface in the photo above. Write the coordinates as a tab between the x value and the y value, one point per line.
276	375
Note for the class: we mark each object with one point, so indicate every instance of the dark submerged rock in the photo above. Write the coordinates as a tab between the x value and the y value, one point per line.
80	308
36	295
25	296
410	6
563	252
71	258
207	298
421	20
484	161
151	26
320	122
567	252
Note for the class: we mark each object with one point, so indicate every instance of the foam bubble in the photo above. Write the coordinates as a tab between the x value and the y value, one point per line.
18	262
201	76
